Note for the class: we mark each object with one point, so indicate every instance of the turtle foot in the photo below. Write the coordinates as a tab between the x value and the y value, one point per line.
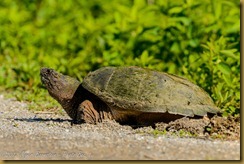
88	113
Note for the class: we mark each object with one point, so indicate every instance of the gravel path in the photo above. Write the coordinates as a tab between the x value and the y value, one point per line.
28	135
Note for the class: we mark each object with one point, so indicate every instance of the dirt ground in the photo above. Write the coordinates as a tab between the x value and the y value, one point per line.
46	135
227	128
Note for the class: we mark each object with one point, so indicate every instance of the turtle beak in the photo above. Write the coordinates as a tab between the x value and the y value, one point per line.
48	77
45	73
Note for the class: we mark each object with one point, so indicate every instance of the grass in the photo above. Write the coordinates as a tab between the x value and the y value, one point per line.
179	133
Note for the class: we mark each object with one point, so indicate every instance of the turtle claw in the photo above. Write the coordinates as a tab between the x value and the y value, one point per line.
89	114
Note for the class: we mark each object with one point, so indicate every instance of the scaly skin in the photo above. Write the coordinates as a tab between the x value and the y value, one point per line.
80	105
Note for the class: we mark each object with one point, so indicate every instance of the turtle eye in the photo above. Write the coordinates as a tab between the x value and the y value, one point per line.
48	71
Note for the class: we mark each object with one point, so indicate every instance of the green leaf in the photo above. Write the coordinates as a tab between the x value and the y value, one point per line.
224	68
175	10
230	53
205	46
238	94
218	92
185	20
175	47
228	80
144	56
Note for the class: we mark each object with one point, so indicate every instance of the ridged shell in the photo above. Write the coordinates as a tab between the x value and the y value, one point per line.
139	89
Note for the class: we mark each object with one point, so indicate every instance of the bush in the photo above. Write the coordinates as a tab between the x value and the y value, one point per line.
196	39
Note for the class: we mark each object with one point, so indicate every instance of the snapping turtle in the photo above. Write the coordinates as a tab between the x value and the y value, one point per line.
130	95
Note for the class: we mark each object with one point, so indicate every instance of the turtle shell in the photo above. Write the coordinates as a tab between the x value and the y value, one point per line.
144	90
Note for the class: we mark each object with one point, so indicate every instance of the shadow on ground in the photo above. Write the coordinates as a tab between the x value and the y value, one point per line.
40	119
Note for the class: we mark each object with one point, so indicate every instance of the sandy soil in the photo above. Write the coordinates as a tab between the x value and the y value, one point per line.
28	135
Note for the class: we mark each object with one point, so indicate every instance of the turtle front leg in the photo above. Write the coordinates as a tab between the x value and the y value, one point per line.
88	113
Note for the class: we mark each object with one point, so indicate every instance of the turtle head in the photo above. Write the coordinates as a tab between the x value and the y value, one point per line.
60	87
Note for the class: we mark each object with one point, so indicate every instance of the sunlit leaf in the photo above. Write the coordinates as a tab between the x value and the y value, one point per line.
230	53
176	10
224	68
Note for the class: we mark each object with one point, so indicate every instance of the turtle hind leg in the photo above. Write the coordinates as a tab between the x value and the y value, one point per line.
88	113
150	119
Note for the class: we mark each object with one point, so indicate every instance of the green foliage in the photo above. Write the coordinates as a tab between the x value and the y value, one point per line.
219	70
180	133
156	132
196	39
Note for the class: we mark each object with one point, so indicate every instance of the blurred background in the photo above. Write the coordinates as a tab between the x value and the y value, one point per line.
198	40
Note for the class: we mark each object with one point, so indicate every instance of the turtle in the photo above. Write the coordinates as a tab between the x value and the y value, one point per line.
129	95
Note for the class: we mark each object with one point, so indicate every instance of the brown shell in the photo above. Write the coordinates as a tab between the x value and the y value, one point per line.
139	89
